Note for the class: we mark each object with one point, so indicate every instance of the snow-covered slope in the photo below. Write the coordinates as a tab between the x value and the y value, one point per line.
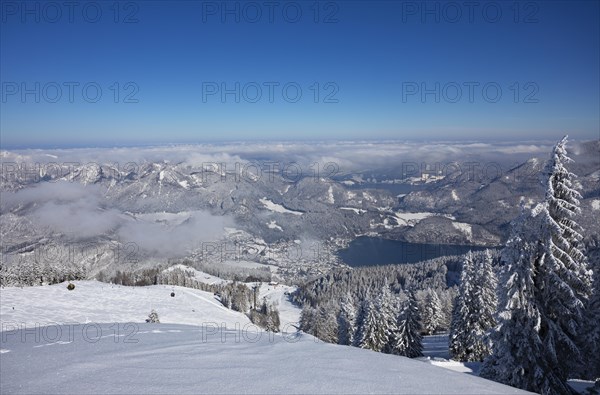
167	358
289	314
94	301
201	357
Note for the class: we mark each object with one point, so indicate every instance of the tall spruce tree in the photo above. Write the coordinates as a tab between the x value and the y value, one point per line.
364	306
485	305
547	291
308	320
432	313
461	327
485	290
327	324
370	336
517	352
591	368
474	312
347	321
387	315
591	336
563	279
373	333
407	339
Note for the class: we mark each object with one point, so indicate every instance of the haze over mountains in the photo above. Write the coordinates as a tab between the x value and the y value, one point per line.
235	202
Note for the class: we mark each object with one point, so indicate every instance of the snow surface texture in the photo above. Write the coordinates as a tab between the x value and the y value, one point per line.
93	301
201	357
169	358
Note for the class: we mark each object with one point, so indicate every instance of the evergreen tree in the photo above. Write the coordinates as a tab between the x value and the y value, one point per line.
327	329
376	321
407	340
347	321
361	315
308	320
372	333
387	317
536	344
592	333
563	279
153	317
371	337
462	326
447	298
485	290
517	352
273	322
474	313
432	313
485	305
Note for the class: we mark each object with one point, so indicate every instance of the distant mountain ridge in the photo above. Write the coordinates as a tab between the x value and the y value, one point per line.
276	211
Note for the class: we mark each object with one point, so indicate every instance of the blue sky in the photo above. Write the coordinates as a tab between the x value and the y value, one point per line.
361	74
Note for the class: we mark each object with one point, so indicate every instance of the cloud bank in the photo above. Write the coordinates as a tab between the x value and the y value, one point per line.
80	212
350	156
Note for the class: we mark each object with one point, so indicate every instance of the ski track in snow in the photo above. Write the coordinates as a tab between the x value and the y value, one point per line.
289	314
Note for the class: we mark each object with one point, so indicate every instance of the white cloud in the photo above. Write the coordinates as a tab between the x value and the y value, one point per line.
350	156
165	240
79	212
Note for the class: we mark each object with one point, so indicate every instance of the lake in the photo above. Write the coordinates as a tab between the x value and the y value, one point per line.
373	251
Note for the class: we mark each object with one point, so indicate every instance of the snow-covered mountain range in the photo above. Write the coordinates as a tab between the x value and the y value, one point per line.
111	216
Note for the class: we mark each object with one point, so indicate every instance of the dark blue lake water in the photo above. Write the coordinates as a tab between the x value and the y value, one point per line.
373	251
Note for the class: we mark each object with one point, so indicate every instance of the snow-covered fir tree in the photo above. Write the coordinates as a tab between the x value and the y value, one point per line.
272	317
433	315
563	278
359	322
485	305
447	298
591	335
546	292
308	320
387	312
347	321
267	317
517	357
461	326
407	340
485	290
474	313
327	328
371	334
153	317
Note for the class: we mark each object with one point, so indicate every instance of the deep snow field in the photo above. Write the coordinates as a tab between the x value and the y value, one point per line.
94	340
